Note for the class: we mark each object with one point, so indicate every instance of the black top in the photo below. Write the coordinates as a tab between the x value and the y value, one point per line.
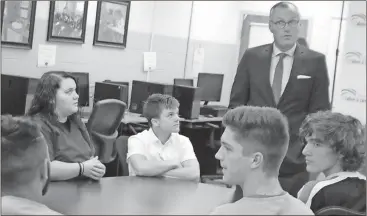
67	142
349	193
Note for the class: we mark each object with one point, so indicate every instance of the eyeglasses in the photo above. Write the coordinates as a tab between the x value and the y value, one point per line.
282	24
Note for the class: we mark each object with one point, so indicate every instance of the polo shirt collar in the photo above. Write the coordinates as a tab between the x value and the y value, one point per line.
155	139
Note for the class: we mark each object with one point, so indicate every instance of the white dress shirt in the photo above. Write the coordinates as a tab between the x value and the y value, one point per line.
287	65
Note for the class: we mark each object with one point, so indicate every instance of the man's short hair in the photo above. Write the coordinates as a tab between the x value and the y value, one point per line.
266	127
343	133
23	150
155	104
284	4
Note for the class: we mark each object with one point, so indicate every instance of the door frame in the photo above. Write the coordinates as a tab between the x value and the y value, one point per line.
241	15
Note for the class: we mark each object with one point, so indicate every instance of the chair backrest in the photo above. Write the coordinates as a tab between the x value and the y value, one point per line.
337	210
102	126
121	147
106	116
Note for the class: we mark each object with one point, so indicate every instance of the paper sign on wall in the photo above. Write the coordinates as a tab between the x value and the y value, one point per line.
46	55
150	61
198	62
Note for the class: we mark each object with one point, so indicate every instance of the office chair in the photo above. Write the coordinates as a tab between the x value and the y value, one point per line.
121	146
103	125
337	210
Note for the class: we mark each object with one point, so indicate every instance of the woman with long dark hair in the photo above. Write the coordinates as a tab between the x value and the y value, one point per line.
55	108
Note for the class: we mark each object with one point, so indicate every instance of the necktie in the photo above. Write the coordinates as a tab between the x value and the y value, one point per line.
278	77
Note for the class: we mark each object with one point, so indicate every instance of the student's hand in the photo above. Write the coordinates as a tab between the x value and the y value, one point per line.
94	169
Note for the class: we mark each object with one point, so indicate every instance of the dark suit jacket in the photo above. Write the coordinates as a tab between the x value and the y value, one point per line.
301	96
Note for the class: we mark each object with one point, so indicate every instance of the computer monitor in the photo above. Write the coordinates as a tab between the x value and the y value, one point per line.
32	86
211	86
109	91
183	82
126	93
141	90
82	80
13	94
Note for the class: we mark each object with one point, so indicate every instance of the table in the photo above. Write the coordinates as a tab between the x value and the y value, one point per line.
128	118
135	195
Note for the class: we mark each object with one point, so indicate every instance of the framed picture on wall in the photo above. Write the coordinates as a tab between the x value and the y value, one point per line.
112	20
67	21
17	23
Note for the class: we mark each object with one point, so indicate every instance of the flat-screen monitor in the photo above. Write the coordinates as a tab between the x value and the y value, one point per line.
82	80
183	82
141	90
211	86
13	94
104	91
126	93
32	86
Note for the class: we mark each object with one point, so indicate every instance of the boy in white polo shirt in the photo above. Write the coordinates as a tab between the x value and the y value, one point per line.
161	151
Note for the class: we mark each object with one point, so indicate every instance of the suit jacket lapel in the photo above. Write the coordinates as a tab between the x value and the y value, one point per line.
268	50
295	71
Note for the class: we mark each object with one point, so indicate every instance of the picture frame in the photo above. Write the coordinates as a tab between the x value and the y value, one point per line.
111	26
17	23
67	21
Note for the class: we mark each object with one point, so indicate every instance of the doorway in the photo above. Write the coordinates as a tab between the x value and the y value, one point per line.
255	32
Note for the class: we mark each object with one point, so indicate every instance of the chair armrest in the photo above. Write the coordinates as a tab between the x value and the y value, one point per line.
105	146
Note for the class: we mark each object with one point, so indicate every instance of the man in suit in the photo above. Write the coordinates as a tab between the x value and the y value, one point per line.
289	77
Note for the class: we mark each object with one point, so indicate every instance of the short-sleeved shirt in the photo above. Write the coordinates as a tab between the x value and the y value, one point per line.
67	142
11	205
147	144
274	205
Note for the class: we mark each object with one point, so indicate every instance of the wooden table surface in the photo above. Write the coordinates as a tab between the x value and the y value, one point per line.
135	195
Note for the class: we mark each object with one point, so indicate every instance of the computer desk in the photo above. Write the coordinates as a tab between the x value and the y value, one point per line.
134	118
128	118
135	195
131	119
202	119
